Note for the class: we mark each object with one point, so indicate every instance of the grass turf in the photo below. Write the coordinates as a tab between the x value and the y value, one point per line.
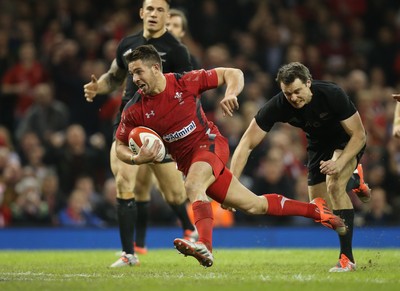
234	269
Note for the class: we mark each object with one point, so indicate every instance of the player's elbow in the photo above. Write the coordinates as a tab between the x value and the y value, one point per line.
363	137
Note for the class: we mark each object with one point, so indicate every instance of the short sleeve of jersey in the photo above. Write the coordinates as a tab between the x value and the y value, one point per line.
198	81
123	128
271	113
340	103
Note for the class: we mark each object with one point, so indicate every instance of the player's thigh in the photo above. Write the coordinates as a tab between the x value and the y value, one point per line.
170	182
143	183
124	174
241	198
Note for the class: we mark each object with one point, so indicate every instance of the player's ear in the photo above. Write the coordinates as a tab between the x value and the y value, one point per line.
308	84
157	67
141	13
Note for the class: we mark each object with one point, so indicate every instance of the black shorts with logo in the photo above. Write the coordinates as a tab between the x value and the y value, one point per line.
315	155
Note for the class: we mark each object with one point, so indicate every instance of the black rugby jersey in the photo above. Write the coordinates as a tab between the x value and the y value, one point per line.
319	119
174	55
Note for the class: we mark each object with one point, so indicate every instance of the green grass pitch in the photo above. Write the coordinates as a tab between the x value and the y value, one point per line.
234	269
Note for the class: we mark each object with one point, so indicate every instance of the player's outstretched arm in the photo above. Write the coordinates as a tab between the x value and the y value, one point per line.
250	139
234	81
107	83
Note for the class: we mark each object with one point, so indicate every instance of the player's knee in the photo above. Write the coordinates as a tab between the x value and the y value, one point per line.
257	206
333	187
193	189
254	210
140	188
175	198
123	182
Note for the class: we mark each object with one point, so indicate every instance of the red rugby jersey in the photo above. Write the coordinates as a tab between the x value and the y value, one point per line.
175	114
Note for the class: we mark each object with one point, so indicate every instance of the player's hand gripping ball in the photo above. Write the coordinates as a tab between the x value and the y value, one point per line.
137	137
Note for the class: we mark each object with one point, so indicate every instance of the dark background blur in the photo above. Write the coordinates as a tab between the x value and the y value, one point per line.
54	146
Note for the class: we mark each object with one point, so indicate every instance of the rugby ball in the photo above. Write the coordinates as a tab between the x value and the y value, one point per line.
137	137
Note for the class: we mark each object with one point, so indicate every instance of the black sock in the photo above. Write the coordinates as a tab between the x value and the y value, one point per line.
141	223
346	241
127	212
181	212
353	183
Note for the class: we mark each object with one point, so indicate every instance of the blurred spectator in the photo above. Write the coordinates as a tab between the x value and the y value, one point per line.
214	24
290	141
106	208
35	166
301	194
52	195
86	184
379	212
7	101
27	141
79	156
393	173
273	48
45	117
10	174
20	79
272	179
5	211
360	45
356	84
29	208
335	48
70	72
253	92
233	129
314	61
384	52
6	138
5	198
396	120
78	212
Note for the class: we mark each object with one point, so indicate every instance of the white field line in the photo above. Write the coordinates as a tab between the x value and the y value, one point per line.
209	276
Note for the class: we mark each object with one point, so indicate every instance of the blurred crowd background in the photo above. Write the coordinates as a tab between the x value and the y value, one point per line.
54	146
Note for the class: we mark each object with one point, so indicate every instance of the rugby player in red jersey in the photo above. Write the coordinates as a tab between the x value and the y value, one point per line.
170	105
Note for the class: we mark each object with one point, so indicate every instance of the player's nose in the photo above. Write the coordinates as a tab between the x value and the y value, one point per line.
293	97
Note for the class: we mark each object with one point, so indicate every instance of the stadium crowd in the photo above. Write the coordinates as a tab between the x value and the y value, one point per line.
54	146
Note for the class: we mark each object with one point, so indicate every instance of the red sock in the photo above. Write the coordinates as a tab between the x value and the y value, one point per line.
204	220
279	205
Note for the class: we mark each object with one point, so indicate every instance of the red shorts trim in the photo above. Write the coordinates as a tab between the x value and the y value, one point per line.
219	188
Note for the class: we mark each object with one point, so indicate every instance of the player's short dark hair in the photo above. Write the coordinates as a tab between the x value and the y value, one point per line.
168	2
179	13
146	53
292	71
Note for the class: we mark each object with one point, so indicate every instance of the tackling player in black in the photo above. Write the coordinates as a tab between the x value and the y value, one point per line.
336	141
